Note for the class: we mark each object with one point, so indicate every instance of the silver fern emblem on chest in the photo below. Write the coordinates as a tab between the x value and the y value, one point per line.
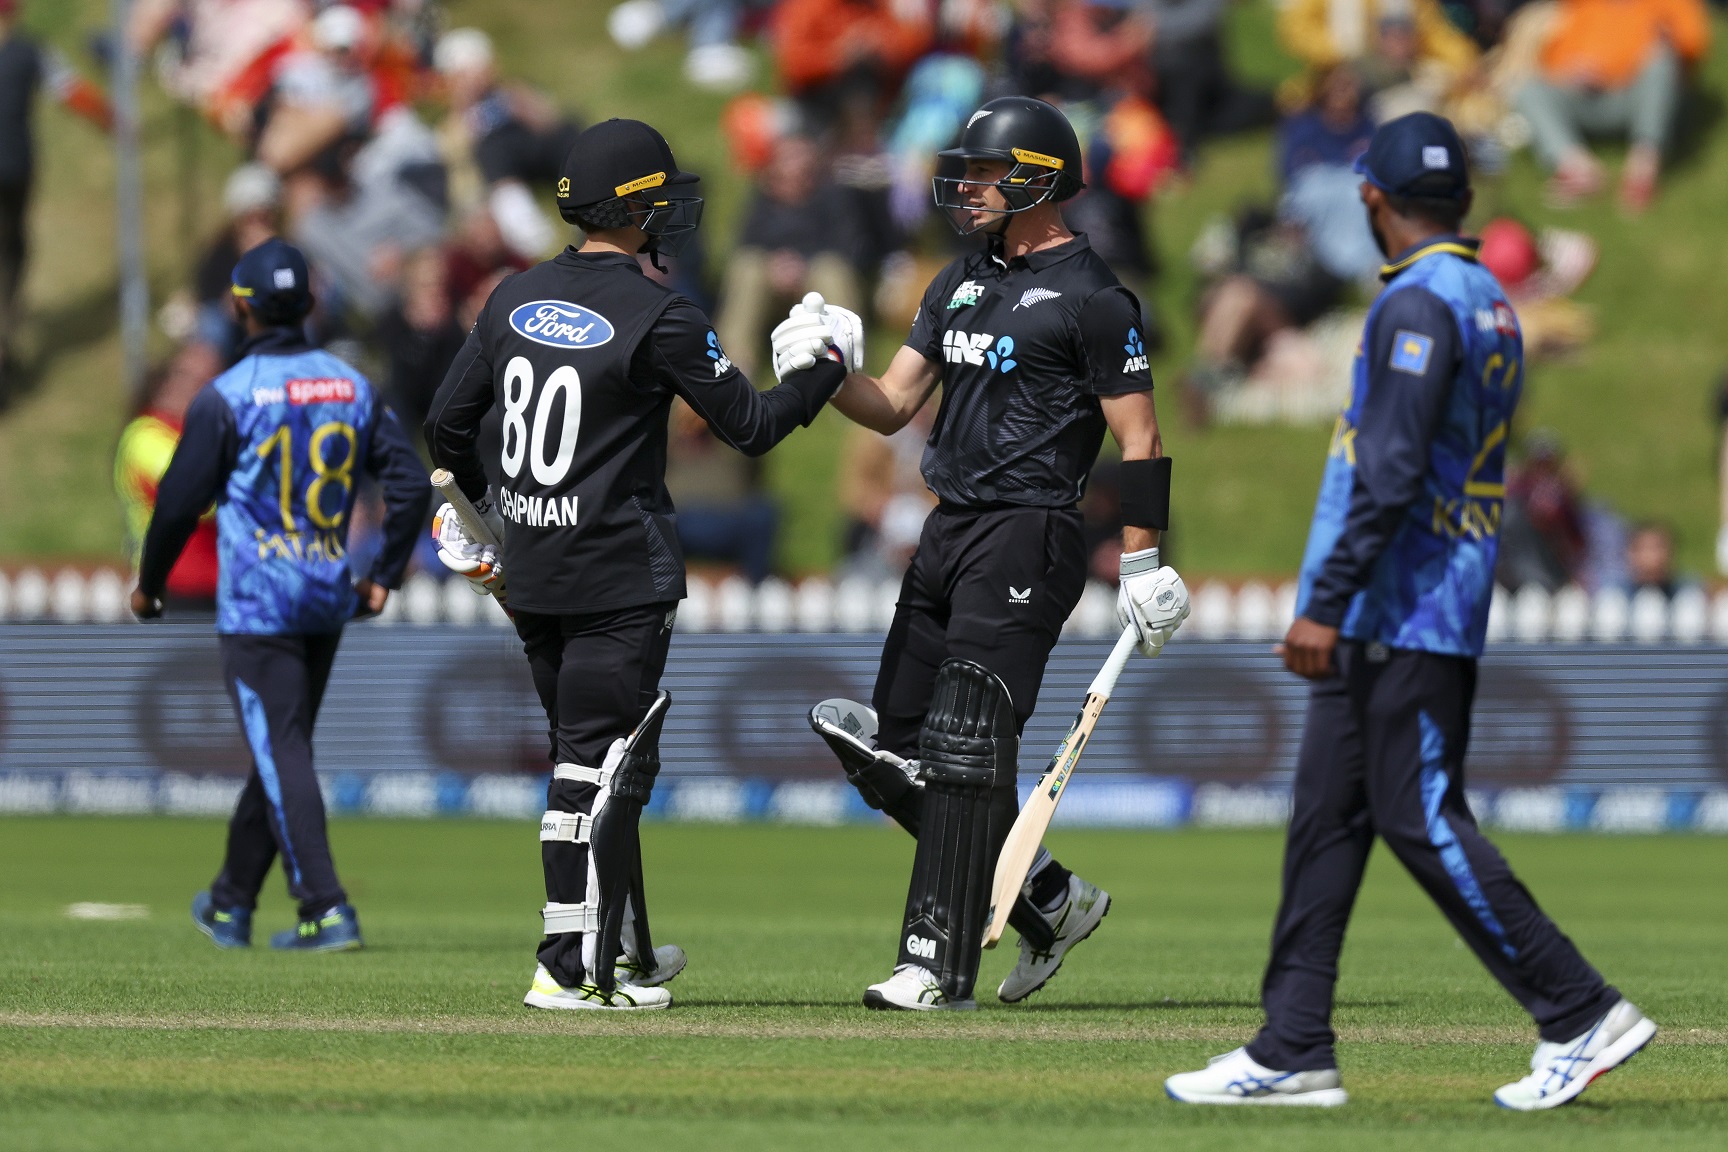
1034	296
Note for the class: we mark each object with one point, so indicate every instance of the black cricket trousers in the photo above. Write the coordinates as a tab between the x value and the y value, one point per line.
1383	753
993	587
276	684
596	676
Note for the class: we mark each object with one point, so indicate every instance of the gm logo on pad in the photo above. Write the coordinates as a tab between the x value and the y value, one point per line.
559	324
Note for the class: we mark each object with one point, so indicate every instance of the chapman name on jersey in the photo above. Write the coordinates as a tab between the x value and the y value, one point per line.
537	511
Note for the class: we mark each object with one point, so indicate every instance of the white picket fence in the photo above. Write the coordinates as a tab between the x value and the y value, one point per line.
1249	611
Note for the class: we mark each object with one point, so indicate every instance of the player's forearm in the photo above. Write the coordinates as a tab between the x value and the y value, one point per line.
407	493
1133	421
888	404
862	401
754	422
1389	479
201	463
453	425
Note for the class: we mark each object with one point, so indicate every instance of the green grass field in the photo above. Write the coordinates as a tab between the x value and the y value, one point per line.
1634	406
139	1035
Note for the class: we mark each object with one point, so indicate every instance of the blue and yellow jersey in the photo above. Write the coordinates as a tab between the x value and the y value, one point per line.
1407	526
302	423
280	442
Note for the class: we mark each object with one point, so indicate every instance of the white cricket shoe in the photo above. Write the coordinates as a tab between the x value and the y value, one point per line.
1077	918
913	989
1235	1078
546	992
1560	1072
669	961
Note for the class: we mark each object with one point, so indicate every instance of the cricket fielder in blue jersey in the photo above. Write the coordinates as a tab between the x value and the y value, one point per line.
1391	616
279	443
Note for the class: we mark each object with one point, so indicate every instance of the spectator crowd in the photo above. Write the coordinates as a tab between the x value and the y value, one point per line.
416	173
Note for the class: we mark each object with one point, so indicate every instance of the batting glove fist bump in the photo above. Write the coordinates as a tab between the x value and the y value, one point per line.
1152	600
845	333
815	329
799	340
466	556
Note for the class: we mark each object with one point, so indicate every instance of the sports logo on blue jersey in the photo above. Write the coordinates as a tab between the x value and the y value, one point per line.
560	324
1411	351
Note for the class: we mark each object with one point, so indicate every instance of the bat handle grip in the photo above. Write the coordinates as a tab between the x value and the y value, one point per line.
1105	682
451	491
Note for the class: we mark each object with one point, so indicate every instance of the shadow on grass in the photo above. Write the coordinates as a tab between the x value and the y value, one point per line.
1701	112
53	331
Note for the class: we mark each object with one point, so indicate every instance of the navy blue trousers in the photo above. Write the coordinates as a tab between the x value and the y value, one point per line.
1383	753
277	684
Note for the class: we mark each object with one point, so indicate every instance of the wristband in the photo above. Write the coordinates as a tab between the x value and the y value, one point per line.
1146	493
1139	563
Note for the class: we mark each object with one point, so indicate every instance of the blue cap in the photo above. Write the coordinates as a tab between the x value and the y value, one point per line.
1417	155
273	279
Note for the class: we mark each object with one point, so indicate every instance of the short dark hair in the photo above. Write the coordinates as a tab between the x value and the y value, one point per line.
1443	211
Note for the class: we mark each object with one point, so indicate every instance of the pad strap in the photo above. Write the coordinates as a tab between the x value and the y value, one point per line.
570	918
583	774
566	827
1146	493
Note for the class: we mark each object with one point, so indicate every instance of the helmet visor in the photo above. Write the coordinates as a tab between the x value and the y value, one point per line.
966	204
668	220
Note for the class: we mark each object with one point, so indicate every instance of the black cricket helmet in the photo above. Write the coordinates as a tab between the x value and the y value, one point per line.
1034	138
622	172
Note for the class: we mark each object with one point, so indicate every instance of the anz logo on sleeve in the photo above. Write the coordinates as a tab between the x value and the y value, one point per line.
560	324
980	349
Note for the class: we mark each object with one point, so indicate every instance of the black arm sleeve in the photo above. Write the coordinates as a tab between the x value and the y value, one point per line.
682	354
453	425
391	459
1113	340
202	461
1413	353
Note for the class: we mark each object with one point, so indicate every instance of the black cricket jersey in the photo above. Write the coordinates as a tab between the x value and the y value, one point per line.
583	354
1027	346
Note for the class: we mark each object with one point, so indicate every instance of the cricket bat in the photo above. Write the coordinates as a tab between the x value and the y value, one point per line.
1034	820
451	491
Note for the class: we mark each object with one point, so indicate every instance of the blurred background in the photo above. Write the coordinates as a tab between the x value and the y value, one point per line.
407	145
410	147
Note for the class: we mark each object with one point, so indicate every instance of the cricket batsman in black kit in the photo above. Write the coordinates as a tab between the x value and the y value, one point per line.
1392	614
1038	348
585	354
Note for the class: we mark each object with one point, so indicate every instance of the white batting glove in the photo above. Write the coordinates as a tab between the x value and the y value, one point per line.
467	557
801	339
845	332
1151	599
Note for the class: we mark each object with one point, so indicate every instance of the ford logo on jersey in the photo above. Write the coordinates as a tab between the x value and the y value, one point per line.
560	324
